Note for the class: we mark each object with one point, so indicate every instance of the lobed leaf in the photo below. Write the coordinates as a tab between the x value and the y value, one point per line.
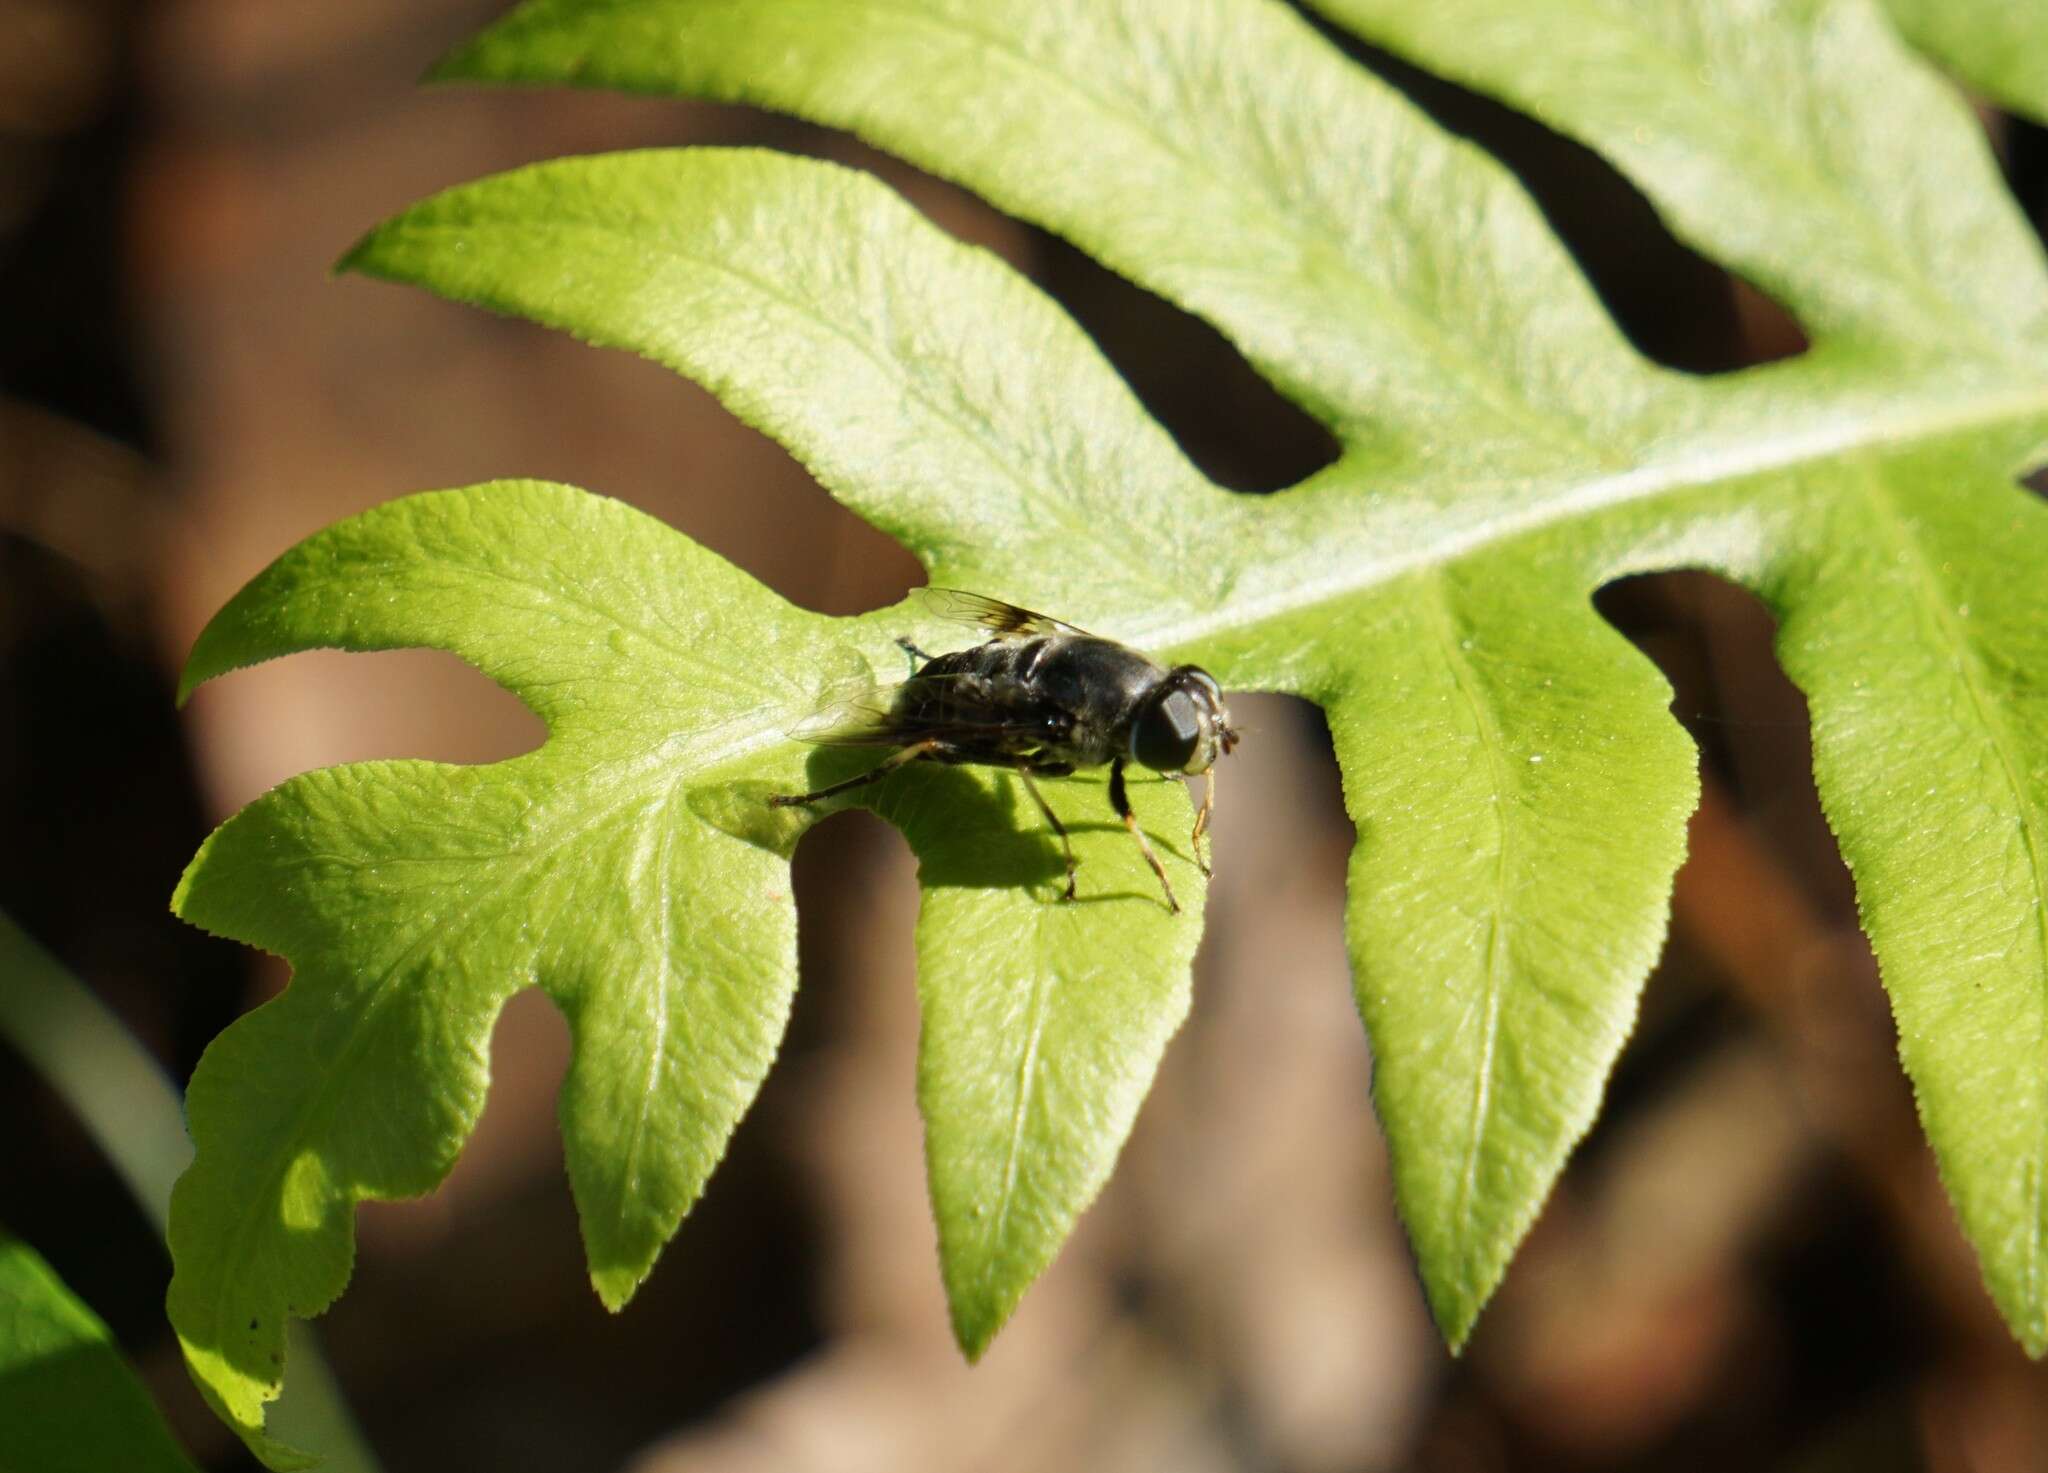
1811	153
1520	791
631	868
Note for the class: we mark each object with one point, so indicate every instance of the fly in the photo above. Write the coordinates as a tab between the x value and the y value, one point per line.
1044	699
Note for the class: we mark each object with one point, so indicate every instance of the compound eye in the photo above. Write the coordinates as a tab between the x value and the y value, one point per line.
1165	735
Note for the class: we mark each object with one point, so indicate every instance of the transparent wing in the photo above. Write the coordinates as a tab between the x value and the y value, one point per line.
859	715
992	613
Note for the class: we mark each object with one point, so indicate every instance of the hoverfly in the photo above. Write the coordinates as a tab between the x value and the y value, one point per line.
1044	699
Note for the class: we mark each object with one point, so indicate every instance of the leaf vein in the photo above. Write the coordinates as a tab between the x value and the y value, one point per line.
1491	742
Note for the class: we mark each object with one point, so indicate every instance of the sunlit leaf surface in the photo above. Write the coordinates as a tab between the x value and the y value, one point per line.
1519	788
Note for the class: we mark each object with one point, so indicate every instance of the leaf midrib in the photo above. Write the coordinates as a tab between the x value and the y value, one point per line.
1286	597
661	1003
554	599
1441	618
1027	1079
1288	594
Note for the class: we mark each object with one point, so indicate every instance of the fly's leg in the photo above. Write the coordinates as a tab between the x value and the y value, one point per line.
1121	801
913	652
872	775
1202	821
1057	827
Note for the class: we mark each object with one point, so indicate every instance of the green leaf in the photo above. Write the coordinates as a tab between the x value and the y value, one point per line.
68	1401
1992	45
1504	453
1519	788
632	869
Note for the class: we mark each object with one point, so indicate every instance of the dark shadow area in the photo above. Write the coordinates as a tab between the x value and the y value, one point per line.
70	342
2024	159
1713	640
75	1408
982	844
100	809
1675	306
1234	426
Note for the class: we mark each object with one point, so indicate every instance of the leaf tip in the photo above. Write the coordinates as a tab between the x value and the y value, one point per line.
616	1286
182	895
1456	1327
974	1333
229	1394
2028	1323
978	1315
1455	1304
358	259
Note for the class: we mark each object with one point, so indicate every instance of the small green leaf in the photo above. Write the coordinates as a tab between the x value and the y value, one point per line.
1504	905
68	1401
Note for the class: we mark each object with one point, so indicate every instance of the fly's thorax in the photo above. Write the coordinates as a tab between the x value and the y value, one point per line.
1095	677
1103	684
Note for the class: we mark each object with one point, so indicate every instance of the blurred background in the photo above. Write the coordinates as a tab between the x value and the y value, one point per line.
1750	1258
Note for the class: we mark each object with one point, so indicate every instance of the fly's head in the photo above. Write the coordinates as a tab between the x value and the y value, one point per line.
1182	725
